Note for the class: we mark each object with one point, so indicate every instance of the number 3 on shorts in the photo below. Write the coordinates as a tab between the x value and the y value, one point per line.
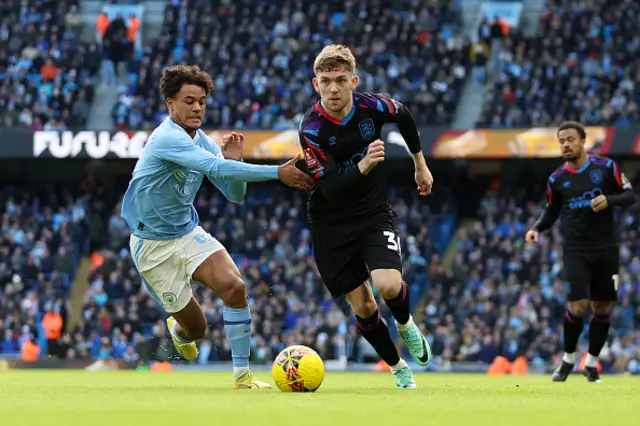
616	281
394	241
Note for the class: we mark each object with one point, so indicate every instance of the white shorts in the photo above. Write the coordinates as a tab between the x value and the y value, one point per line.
166	266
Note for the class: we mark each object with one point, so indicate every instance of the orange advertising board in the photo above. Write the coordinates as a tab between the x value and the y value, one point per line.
266	144
512	143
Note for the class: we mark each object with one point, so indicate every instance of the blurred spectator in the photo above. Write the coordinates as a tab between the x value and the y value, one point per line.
505	297
582	66
42	71
260	56
268	239
52	325
41	232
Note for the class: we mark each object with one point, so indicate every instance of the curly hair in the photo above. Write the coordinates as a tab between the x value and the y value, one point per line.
582	132
174	78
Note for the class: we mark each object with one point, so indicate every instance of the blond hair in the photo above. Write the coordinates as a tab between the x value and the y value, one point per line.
334	57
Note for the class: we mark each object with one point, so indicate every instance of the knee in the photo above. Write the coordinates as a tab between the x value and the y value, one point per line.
601	307
365	309
234	294
389	289
578	308
388	282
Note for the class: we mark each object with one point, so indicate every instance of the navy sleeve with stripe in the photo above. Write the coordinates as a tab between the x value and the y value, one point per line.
393	111
553	207
624	195
321	165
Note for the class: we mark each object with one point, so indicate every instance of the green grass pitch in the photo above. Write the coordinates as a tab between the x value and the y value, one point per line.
122	398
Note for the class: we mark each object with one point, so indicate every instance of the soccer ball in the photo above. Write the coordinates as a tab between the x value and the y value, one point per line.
298	369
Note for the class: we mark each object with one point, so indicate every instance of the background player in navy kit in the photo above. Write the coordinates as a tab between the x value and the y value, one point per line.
352	225
585	188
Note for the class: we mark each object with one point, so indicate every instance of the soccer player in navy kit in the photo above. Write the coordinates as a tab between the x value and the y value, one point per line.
585	189
352	224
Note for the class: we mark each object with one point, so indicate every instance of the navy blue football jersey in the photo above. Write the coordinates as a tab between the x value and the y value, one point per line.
570	191
332	149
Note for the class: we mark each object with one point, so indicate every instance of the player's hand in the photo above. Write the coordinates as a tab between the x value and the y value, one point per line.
599	203
290	175
532	236
232	146
424	179
375	155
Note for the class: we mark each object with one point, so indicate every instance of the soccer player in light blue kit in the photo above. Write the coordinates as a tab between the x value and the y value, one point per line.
168	247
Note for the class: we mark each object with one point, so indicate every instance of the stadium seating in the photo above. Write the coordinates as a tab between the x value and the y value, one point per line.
506	298
499	297
579	67
260	55
269	241
46	67
43	236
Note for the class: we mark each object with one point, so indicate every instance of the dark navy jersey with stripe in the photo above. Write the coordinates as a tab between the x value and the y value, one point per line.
570	191
332	149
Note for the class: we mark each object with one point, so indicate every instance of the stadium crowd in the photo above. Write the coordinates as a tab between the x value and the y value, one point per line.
47	68
505	297
498	296
44	233
581	66
260	55
270	243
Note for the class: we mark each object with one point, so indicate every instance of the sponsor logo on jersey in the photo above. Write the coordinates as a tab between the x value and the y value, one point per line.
584	201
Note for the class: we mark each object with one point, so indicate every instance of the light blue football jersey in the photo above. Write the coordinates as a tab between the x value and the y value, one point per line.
158	204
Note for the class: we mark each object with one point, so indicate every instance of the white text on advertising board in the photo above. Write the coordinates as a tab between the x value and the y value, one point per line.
88	144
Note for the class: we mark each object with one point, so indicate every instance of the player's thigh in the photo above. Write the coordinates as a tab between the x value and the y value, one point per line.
362	300
209	263
163	272
336	254
342	281
380	250
577	274
604	279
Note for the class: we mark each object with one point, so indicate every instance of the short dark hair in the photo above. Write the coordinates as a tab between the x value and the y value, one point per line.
575	126
174	78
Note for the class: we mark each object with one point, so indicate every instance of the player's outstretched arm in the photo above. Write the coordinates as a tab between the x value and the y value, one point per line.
176	147
551	210
232	191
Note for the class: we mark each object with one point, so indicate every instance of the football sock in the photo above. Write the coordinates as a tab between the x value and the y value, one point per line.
598	333
237	327
573	326
591	361
175	334
402	363
375	331
569	358
399	305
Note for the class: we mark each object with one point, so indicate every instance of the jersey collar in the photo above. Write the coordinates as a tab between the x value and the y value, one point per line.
570	169
344	121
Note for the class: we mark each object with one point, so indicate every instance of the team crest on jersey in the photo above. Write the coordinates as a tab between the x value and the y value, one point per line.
170	298
596	176
367	128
